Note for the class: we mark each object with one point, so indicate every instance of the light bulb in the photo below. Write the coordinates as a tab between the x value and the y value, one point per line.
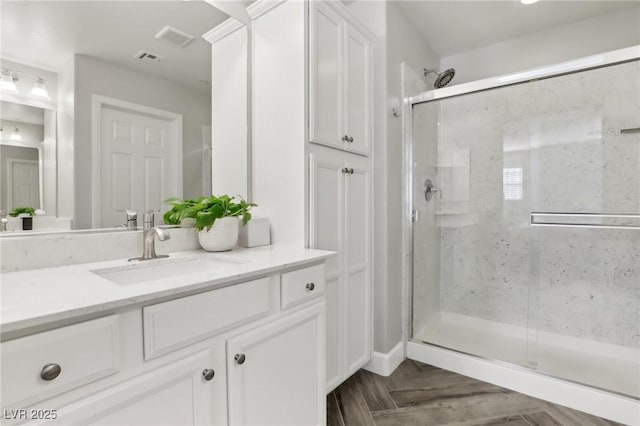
8	82
16	136
40	89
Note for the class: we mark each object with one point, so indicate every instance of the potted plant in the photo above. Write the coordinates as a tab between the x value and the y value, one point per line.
181	213
26	213
217	219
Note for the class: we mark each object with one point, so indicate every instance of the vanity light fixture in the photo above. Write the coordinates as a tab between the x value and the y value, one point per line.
40	89
8	81
16	136
528	1
9	78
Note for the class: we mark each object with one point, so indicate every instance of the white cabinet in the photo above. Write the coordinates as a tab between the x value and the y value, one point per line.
340	80
41	365
178	362
276	372
312	94
176	394
341	221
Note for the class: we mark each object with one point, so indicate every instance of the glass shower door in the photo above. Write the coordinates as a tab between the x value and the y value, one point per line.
585	222
471	270
526	247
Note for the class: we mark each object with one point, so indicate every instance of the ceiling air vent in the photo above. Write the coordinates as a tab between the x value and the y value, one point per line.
174	36
147	56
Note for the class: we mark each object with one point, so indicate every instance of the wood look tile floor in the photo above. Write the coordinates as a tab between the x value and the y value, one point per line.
418	394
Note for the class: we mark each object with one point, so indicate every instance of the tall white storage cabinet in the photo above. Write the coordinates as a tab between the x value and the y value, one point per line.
341	221
340	80
340	204
311	153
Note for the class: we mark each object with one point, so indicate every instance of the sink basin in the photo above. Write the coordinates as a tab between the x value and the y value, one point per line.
152	270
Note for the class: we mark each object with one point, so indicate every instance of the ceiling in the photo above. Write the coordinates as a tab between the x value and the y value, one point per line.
451	27
46	34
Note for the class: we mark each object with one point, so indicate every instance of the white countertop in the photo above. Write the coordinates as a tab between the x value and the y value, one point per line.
36	297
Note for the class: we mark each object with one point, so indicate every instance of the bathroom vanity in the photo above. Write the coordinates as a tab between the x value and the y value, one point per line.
199	338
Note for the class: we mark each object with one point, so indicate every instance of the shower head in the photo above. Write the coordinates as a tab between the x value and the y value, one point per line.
443	78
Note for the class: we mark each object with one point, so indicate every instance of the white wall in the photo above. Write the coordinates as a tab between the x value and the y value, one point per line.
279	122
591	36
229	114
93	76
66	112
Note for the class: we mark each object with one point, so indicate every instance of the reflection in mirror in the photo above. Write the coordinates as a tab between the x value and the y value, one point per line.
128	99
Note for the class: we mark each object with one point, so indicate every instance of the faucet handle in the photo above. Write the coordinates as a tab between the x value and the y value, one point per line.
149	218
131	215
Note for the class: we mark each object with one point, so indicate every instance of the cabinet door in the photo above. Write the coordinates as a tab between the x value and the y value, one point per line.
357	292
326	233
276	372
358	91
176	394
325	76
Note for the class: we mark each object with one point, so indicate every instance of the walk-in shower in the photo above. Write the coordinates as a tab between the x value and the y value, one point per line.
526	233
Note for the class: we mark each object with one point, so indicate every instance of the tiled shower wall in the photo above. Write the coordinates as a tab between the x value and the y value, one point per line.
548	146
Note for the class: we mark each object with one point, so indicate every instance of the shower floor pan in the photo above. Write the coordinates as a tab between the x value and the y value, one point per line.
601	365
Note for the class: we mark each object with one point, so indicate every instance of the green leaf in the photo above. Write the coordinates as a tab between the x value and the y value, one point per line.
206	210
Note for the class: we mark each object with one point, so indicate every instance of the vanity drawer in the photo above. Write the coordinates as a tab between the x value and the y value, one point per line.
301	285
79	354
172	325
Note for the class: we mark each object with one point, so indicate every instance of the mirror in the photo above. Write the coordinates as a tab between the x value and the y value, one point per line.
113	103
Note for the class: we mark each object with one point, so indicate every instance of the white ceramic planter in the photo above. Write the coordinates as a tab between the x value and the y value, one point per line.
188	222
222	236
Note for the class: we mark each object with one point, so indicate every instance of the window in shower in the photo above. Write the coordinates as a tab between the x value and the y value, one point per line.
531	255
512	183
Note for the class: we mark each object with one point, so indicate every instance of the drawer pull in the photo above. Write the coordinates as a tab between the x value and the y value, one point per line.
50	371
240	358
208	374
310	286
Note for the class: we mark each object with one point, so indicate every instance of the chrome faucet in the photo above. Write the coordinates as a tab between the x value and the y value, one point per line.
132	220
149	234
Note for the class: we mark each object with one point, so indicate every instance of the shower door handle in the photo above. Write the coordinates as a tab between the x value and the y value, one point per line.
430	189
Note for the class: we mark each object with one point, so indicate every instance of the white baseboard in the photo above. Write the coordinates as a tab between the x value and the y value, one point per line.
583	398
384	364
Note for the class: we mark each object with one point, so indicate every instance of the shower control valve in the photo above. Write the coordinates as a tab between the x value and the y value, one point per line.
430	189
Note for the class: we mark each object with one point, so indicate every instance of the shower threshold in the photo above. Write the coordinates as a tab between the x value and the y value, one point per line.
601	365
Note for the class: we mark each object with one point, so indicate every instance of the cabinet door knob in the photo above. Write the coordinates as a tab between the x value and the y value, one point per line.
345	170
350	140
345	138
350	171
208	374
240	358
310	286
50	371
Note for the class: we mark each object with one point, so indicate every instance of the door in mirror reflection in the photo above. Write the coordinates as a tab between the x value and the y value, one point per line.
140	155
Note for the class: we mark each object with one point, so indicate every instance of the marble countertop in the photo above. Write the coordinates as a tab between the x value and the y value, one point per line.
33	298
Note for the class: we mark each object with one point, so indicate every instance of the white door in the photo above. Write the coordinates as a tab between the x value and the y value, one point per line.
140	165
175	394
25	184
357	264
326	76
276	372
327	229
358	91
